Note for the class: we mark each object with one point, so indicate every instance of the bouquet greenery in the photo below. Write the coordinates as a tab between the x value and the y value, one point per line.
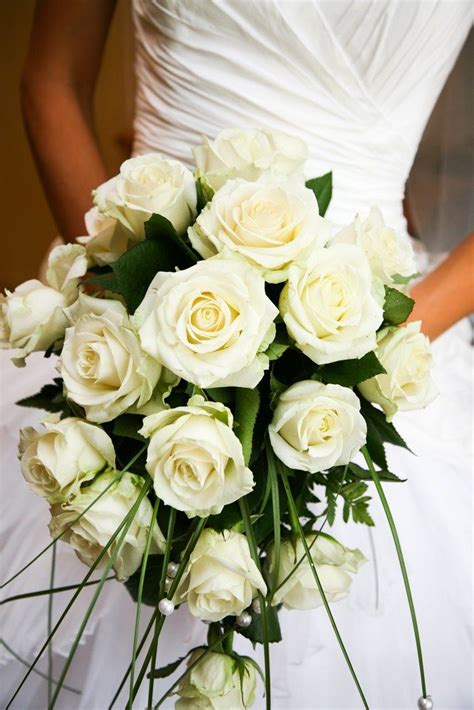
221	351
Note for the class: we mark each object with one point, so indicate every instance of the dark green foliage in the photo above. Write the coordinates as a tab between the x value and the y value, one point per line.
350	372
322	188
397	306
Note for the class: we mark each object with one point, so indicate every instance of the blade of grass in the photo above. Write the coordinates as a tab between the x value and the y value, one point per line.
35	670
318	531
174	585
272	472
263	603
401	560
127	521
301	535
161	591
97	561
139	594
45	549
50	624
55	590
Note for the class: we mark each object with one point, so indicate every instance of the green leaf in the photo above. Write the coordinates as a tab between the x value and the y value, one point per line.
352	491
403	280
397	306
247	404
280	344
136	269
165	671
254	632
205	192
385	429
322	188
103	282
160	229
350	372
127	425
50	398
383	474
225	395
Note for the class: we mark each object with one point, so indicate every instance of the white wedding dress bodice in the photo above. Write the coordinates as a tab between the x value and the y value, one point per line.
357	80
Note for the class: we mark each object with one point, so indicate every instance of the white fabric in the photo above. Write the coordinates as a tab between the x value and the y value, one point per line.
356	80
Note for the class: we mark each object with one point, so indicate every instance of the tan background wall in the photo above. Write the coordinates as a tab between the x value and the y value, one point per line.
27	226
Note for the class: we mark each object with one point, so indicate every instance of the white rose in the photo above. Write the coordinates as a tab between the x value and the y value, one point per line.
333	563
102	364
270	222
32	317
332	306
316	426
215	683
405	353
209	323
221	579
89	534
389	253
195	459
149	184
241	153
69	452
107	239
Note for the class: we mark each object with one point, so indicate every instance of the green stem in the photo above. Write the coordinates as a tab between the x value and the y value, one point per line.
141	582
401	560
161	592
213	647
127	521
67	527
272	472
227	643
263	604
301	535
50	624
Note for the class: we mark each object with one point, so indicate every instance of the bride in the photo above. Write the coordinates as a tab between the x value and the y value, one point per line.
357	81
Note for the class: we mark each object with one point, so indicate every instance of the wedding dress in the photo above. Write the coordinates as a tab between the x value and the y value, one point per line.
357	81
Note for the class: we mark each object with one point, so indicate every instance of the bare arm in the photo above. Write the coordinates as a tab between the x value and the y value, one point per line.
57	91
447	294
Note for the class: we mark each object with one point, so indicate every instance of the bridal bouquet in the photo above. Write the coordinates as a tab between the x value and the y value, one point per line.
221	350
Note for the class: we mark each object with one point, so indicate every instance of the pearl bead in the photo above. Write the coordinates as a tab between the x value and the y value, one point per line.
168	582
166	607
256	606
244	620
425	703
172	569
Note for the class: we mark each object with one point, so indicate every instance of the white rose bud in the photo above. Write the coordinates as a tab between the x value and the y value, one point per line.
32	316
270	222
405	353
90	533
333	564
389	253
217	683
332	306
317	426
69	452
221	579
102	364
241	153
107	239
149	184
195	459
210	323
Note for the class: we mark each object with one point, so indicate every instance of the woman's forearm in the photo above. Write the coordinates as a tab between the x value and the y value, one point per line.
447	294
66	151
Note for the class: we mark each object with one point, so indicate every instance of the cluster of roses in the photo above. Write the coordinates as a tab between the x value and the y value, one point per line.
213	325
